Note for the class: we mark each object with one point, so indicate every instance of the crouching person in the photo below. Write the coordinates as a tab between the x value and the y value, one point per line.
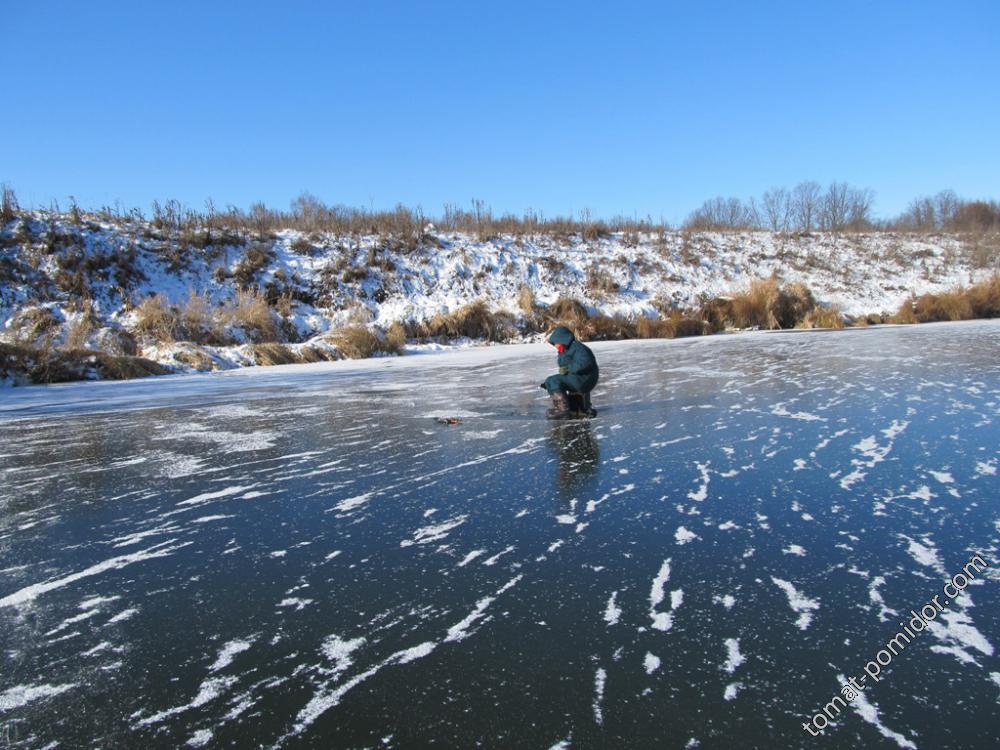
578	372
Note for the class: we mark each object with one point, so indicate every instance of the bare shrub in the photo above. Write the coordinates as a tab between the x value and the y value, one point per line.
155	318
80	329
255	259
353	274
302	246
600	282
32	325
117	341
9	210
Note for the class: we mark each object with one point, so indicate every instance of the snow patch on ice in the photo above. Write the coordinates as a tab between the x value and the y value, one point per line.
683	536
651	663
733	656
435	532
802	605
869	713
22	695
600	680
30	593
229	652
612	612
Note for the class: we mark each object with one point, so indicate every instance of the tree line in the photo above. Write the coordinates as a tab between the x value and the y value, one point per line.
841	207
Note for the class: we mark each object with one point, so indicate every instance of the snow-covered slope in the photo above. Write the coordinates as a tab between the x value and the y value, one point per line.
330	281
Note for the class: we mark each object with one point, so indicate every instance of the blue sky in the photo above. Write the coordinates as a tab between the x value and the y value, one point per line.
622	108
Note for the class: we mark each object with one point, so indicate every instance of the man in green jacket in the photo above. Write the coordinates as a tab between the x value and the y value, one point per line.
578	374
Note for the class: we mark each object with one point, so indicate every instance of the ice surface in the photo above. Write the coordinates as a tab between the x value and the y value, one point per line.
365	572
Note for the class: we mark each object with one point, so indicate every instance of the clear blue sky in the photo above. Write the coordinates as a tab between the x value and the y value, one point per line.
645	108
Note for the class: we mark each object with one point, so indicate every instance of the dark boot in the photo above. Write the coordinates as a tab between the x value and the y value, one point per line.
560	406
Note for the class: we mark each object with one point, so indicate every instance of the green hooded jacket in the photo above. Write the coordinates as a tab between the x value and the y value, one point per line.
581	365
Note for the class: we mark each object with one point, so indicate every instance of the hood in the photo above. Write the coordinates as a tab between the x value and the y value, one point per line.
561	335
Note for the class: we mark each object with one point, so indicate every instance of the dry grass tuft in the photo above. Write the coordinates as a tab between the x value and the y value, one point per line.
396	336
605	328
273	354
359	342
196	320
824	317
677	325
601	283
474	321
62	366
254	316
33	326
316	354
156	319
981	300
985	298
526	301
566	311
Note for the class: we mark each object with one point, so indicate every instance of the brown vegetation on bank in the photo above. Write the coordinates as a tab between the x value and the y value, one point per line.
50	365
980	300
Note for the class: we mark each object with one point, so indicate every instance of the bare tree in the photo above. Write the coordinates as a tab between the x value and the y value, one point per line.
859	208
777	208
719	213
834	207
805	204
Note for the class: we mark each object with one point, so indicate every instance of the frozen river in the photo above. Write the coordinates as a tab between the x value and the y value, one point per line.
304	558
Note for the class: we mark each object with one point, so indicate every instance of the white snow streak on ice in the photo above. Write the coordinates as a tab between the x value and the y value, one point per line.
21	695
733	656
340	650
471	556
459	631
869	713
29	593
702	492
799	603
434	533
661	620
228	653
207	496
600	679
352	503
925	554
612	613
